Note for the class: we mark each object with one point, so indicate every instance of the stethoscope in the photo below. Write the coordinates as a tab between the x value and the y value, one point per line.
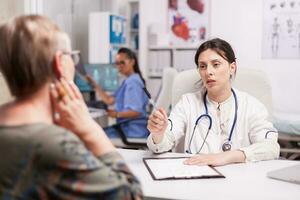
227	144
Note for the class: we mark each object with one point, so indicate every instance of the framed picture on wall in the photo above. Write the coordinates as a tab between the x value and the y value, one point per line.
281	29
188	21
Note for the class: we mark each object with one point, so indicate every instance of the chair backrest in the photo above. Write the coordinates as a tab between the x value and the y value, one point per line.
164	99
256	83
184	82
252	81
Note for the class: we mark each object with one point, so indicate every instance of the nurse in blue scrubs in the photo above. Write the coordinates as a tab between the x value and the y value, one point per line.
130	99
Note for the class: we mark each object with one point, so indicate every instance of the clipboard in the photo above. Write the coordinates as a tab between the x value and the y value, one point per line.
172	168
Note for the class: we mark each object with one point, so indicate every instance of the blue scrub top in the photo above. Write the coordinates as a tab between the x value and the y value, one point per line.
131	96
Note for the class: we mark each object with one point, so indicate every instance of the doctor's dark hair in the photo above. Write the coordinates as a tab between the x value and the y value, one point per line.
218	45
131	55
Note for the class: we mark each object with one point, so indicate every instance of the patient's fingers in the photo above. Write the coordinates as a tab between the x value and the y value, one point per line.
68	89
75	90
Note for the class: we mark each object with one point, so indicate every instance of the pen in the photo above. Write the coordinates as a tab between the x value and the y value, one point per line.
152	103
154	106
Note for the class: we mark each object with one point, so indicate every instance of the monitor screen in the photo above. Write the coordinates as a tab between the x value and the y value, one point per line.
106	75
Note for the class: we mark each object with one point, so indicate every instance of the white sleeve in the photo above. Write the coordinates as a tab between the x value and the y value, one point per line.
263	136
171	137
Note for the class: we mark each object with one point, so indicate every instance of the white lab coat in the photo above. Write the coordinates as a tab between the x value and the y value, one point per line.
249	132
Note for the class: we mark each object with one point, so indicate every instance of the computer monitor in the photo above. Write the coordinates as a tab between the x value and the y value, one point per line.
106	75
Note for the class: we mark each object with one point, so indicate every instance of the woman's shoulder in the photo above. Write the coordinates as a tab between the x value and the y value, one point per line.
248	99
49	141
244	95
62	147
134	79
193	97
55	135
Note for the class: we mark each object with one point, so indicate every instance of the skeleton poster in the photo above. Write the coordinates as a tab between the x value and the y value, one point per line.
281	29
188	21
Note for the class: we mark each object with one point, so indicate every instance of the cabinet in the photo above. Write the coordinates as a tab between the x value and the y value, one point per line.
133	25
106	35
179	57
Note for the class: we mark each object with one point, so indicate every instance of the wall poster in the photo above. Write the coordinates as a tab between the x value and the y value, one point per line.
281	29
188	21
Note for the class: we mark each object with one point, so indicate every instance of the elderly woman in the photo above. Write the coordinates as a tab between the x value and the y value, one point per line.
49	145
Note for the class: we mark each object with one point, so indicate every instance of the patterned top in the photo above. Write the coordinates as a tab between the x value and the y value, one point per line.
41	161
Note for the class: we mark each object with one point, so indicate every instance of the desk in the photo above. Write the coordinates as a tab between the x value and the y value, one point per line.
99	115
243	181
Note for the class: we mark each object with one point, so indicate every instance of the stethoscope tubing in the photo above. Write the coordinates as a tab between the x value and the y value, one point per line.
210	122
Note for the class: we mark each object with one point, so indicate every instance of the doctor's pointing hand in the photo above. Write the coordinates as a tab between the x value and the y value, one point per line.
157	124
219	124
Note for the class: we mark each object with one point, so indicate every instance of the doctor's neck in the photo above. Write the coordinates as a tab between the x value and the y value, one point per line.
219	96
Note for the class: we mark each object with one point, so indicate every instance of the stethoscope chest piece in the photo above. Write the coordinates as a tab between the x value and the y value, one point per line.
226	146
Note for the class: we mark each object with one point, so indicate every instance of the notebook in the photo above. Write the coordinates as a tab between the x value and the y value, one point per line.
289	174
171	168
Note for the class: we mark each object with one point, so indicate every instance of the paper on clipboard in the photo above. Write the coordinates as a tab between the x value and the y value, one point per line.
173	168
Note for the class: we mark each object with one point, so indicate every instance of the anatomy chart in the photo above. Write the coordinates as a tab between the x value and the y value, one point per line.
188	21
281	29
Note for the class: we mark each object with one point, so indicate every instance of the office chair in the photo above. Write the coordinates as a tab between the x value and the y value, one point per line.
126	142
164	99
252	81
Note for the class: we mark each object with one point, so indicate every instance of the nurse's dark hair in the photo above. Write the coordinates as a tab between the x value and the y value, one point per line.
218	45
131	55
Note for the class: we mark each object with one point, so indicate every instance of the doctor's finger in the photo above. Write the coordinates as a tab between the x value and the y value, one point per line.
153	129
163	112
157	125
159	115
158	120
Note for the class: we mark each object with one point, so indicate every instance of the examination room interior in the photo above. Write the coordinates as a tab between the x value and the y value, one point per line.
165	35
249	26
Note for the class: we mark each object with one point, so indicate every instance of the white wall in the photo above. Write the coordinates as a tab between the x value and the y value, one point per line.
9	8
151	11
240	23
72	17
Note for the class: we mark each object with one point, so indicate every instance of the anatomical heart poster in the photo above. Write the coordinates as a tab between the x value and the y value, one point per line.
188	21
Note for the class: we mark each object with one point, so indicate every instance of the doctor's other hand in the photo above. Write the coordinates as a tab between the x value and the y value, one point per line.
217	159
157	124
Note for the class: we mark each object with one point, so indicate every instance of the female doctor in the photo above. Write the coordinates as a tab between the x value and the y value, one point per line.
220	124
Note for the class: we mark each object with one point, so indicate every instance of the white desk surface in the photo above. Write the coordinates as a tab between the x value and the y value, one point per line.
245	181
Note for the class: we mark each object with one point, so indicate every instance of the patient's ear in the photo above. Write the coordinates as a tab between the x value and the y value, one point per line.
56	65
